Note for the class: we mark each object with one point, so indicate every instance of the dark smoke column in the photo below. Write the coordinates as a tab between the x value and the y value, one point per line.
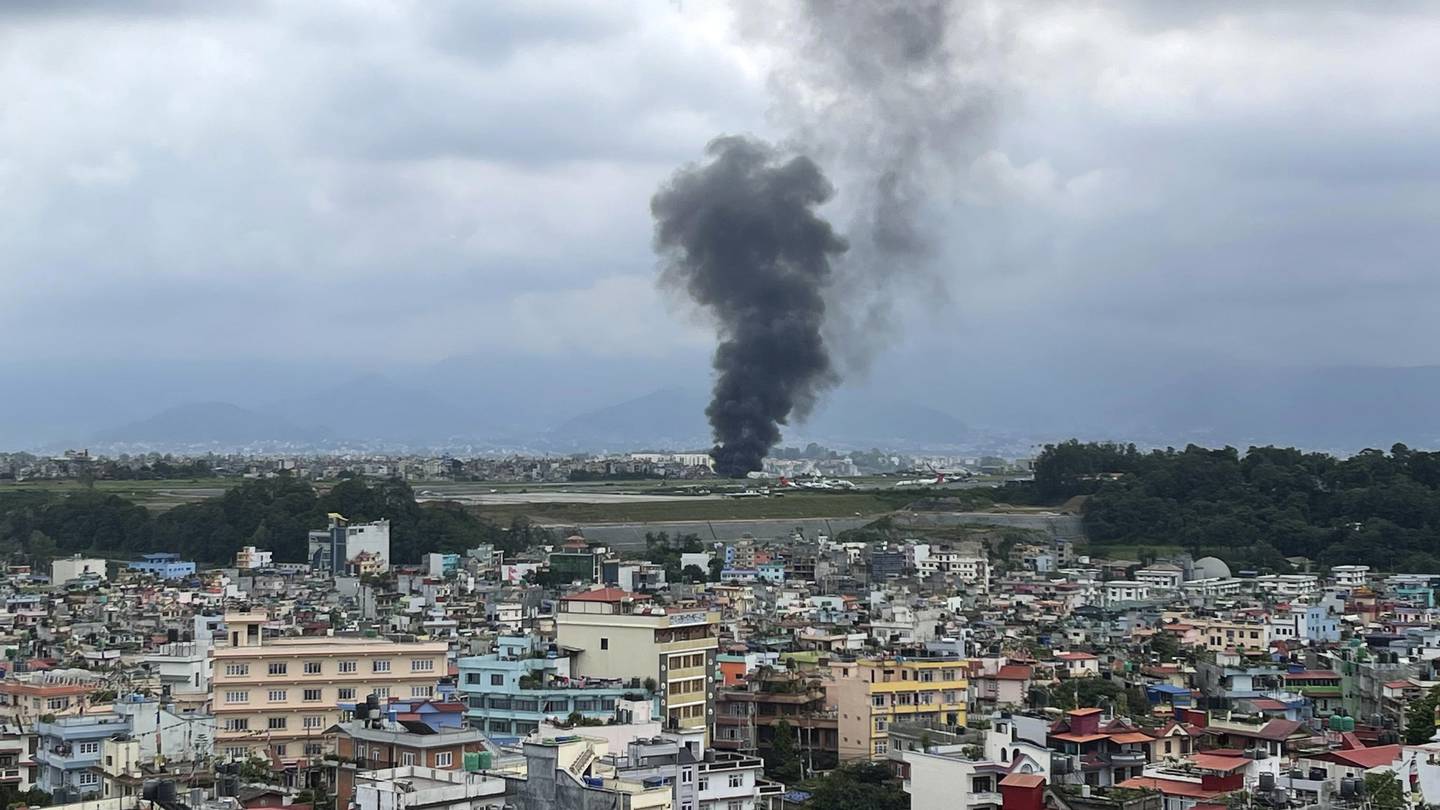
740	235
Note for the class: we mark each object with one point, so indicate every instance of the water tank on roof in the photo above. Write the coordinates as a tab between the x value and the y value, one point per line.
1347	724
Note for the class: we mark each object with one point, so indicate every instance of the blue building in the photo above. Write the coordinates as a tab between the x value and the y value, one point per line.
67	753
164	565
513	690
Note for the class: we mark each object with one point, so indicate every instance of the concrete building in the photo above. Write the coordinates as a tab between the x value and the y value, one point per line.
618	634
250	558
430	788
68	756
1119	591
336	548
875	692
163	565
276	699
568	773
1350	576
68	568
512	691
698	779
365	746
1161	575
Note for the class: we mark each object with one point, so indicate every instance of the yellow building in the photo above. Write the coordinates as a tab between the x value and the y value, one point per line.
870	694
276	699
617	634
1219	635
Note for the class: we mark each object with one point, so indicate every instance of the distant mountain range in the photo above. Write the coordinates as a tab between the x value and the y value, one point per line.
480	405
219	423
375	410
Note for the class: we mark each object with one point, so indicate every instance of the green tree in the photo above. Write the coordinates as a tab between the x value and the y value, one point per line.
1383	791
782	760
1420	718
692	573
866	786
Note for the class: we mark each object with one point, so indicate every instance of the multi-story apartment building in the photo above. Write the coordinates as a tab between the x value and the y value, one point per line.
873	693
512	691
69	758
746	715
1219	635
249	558
335	548
276	699
1350	576
619	634
25	700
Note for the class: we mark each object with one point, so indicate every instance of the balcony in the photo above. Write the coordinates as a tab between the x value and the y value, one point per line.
1125	759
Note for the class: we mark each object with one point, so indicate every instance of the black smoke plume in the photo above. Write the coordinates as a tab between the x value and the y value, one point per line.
740	234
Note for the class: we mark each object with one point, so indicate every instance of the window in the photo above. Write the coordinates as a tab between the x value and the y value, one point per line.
379	666
881	747
87	778
604	643
58	703
737	780
422	665
382	692
314	721
237	752
313	749
347	667
313	694
878	700
687	776
497	680
407	758
704	784
237	724
421	691
237	697
444	759
277	695
276	723
279	750
345	693
87	748
237	669
313	668
279	668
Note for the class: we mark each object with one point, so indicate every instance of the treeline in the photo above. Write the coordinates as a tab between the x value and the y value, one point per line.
1258	507
273	513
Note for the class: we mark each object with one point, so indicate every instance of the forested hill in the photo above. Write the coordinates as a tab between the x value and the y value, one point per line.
274	513
1258	507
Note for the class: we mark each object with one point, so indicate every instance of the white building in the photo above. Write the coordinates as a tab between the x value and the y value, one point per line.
1162	575
64	570
1213	587
1289	586
250	558
417	786
1350	576
1120	591
334	548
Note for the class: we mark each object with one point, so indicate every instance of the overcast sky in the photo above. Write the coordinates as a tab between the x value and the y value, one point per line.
375	184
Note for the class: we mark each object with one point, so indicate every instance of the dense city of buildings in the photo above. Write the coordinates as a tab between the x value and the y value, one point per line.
981	669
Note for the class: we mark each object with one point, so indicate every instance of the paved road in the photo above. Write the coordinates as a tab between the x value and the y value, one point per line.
632	535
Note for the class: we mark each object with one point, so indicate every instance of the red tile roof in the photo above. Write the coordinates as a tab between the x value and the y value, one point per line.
1014	672
603	595
1023	780
1366	757
1170	787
